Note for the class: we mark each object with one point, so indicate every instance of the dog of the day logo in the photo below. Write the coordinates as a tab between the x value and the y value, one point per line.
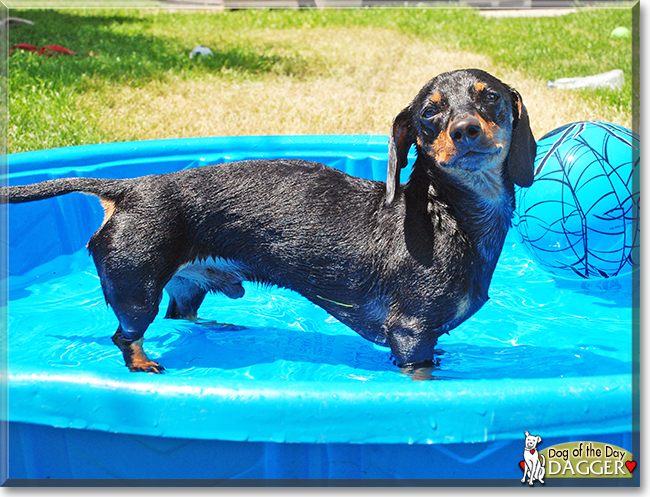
582	459
534	463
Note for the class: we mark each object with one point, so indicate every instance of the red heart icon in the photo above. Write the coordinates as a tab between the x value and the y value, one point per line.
522	464
630	465
532	451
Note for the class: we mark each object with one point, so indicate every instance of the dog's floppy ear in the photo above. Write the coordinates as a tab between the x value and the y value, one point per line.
399	144
539	439
521	157
526	433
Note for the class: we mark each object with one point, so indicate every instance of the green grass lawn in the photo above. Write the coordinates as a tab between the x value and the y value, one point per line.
141	54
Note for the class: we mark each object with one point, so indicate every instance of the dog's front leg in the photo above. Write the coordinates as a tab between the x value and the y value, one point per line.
533	469
527	472
411	342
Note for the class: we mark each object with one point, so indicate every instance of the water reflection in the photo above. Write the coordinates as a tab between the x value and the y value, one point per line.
532	327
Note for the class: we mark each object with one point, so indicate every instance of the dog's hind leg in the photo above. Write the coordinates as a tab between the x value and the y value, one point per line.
134	355
542	470
135	313
185	298
134	261
188	288
134	295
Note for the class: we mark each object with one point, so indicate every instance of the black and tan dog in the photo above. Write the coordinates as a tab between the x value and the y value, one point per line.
399	264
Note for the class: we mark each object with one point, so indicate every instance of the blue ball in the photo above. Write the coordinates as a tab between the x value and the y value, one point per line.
580	217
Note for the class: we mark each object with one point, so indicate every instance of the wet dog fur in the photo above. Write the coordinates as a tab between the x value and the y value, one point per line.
400	264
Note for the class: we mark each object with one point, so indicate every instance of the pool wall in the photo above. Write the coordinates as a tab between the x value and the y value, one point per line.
43	452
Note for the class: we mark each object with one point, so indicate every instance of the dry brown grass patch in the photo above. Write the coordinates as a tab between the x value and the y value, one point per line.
365	76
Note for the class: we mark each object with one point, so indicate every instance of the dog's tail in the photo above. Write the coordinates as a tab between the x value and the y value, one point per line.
109	189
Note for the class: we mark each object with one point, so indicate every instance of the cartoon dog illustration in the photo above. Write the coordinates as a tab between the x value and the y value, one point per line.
533	467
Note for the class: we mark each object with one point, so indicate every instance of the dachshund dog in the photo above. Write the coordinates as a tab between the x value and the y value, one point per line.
400	264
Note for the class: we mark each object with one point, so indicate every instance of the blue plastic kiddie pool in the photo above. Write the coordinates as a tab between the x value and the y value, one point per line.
284	392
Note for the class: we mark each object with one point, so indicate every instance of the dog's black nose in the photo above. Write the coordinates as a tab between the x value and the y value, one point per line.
466	128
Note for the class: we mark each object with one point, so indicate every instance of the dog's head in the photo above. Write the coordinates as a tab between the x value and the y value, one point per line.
470	125
532	440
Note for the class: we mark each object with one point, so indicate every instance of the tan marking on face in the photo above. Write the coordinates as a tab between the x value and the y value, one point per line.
486	127
109	209
494	133
436	97
443	148
479	86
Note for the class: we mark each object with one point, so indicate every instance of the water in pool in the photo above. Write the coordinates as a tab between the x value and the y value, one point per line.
533	326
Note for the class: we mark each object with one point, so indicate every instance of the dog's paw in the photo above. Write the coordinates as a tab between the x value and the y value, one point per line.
146	367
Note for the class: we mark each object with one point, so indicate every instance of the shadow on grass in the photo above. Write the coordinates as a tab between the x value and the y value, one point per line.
125	52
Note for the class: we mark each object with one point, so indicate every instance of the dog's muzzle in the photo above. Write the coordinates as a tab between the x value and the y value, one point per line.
465	131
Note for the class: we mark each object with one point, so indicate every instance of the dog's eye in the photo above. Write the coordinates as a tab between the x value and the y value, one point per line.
492	96
429	112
